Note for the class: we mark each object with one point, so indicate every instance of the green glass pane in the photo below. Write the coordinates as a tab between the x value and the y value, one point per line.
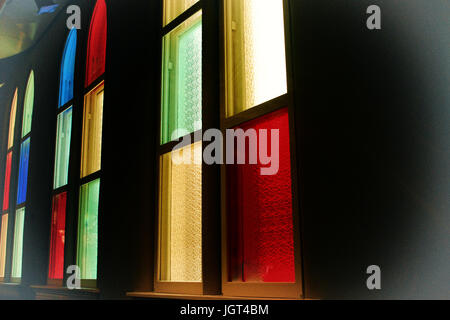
88	230
62	154
182	80
28	106
18	244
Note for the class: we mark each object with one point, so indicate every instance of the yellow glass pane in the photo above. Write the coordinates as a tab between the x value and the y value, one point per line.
91	154
255	53
180	254
3	240
173	8
12	121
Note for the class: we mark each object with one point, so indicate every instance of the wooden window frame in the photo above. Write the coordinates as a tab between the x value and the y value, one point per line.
13	148
62	189
14	145
99	82
195	288
262	290
75	180
70	187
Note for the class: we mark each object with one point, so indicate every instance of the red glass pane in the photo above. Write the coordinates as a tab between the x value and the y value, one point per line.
96	52
56	264
259	208
7	181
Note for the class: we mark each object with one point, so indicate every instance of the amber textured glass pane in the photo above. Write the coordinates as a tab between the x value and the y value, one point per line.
182	80
181	215
255	53
3	240
173	8
92	132
12	121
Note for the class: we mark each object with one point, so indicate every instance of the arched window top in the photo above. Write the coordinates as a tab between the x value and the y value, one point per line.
68	68
28	106
96	50
12	120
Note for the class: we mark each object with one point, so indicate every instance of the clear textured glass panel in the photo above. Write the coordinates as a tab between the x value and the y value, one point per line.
173	8
12	120
62	155
58	230
255	53
259	208
88	230
3	240
7	181
23	171
182	80
18	244
92	132
66	80
180	190
28	106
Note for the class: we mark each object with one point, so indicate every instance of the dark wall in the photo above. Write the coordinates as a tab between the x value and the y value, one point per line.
372	119
131	116
372	143
130	129
45	59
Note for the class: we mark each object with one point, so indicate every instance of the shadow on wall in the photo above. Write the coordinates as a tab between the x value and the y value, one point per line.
372	125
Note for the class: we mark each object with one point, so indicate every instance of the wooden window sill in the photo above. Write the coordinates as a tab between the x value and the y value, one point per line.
10	284
65	289
170	296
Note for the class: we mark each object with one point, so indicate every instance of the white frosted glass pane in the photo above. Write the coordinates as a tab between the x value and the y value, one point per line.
255	53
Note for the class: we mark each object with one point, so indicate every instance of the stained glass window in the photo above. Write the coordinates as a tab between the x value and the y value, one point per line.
62	155
7	181
23	171
173	8
58	229
3	242
18	244
96	52
182	80
28	106
92	132
180	192
88	230
255	53
259	210
12	120
68	68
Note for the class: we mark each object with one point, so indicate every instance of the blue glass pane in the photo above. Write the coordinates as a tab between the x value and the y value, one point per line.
23	172
68	69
